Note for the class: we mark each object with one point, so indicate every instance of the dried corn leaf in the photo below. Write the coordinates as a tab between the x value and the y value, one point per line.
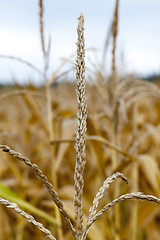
153	231
150	170
67	131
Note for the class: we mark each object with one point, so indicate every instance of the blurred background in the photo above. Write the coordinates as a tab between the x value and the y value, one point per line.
39	120
138	35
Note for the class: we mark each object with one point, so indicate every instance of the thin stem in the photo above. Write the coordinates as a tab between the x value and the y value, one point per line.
105	142
22	61
114	35
134	210
21	92
49	112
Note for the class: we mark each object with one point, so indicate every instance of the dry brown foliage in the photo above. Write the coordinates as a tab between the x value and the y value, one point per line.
122	134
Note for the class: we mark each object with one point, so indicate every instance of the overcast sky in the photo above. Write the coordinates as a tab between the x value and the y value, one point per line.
138	39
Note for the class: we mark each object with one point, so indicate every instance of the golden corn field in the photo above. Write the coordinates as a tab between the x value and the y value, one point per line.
62	153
